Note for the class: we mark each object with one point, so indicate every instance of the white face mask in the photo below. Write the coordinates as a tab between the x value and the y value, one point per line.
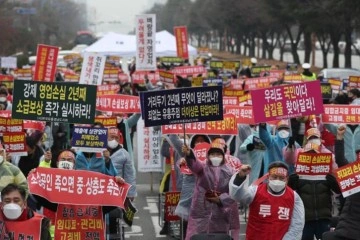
12	211
284	133
65	165
113	144
316	141
1	159
2	99
277	185
216	161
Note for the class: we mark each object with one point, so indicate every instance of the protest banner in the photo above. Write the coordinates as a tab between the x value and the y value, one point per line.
189	70
231	92
92	70
129	211
77	187
200	151
7	80
111	74
256	70
212	82
54	102
287	101
260	82
107	89
79	222
71	77
145	42
118	103
273	73
354	82
313	166
123	78
198	104
243	114
348	178
293	78
197	81
139	76
23	73
148	145
8	62
168	78
11	125
172	60
326	91
46	61
232	101
15	143
236	84
181	37
227	126
89	139
107	122
341	114
34	125
171	201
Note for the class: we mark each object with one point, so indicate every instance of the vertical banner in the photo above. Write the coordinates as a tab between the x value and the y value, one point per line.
92	70
46	60
181	36
171	201
148	148
145	42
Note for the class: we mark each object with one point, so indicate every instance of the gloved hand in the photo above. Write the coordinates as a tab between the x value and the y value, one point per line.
331	180
291	142
250	147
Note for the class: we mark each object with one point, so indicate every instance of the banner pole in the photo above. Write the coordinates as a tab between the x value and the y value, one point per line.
151	182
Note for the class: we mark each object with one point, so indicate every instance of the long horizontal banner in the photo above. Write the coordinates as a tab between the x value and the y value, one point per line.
118	103
287	101
228	126
341	114
195	104
77	187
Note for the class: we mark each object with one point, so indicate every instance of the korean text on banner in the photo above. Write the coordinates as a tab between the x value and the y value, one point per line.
181	36
79	222
89	139
77	187
341	114
54	102
148	145
15	143
145	42
118	103
195	104
348	178
171	201
287	101
46	61
92	70
313	166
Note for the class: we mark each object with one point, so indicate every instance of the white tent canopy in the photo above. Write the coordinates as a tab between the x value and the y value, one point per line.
125	45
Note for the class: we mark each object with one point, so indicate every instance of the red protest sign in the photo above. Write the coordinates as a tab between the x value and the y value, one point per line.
118	103
108	122
15	143
341	114
111	74
354	81
227	126
256	83
46	60
189	70
313	166
11	125
233	101
243	114
139	76
77	187
107	89
348	178
200	151
36	125
287	101
181	42
79	222
171	201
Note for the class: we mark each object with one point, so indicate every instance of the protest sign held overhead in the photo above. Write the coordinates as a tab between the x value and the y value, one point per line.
89	139
181	36
197	104
145	42
46	60
54	102
92	70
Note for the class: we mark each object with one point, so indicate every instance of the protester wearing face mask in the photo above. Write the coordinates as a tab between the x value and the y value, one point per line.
122	162
354	96
4	103
211	207
20	220
316	194
275	144
275	210
10	173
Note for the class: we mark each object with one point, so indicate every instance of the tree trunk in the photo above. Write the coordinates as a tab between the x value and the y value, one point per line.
252	46
238	44
348	52
294	44
325	63
265	44
307	43
335	38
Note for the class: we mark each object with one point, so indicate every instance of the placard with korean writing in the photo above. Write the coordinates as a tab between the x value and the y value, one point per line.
354	81
118	103
92	70
243	114
111	74
77	187
145	42
195	104
46	60
341	114
54	102
212	82
15	143
181	37
79	222
326	90
107	89
200	152
89	139
313	166
129	212
260	82
348	178
108	122
24	74
287	101
227	126
139	76
256	70
148	145
8	62
189	70
171	201
11	125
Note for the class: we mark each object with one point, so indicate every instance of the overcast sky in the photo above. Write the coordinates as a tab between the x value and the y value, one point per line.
123	11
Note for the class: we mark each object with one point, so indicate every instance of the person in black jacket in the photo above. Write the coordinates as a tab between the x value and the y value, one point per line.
349	219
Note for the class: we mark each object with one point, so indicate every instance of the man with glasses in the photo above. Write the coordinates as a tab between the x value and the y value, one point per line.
275	210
